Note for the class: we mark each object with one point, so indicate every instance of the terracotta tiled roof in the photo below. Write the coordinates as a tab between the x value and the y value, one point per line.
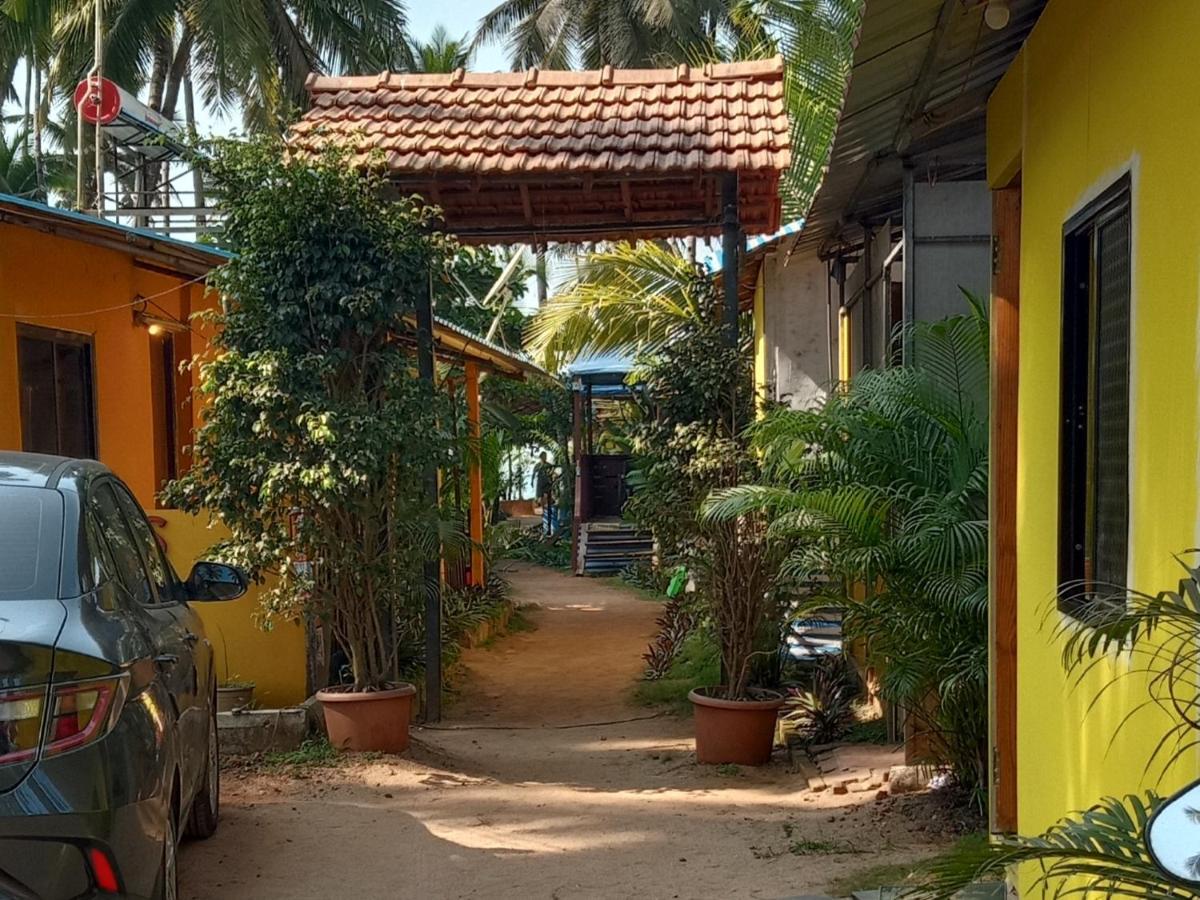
594	129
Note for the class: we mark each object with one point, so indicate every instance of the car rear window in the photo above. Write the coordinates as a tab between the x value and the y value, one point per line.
30	543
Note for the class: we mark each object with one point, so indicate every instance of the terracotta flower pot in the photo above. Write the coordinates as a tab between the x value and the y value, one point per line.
741	732
368	720
234	697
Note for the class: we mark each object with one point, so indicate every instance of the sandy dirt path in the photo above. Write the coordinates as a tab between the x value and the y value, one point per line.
516	795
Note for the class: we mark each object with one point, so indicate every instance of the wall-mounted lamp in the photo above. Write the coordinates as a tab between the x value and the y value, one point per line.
997	14
157	325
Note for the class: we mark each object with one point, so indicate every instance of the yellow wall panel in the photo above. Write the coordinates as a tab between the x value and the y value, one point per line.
1107	88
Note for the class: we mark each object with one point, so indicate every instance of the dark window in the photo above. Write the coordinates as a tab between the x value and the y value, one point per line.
121	544
160	570
58	413
1094	503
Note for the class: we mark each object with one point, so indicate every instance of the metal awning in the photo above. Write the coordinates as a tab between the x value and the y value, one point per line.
922	74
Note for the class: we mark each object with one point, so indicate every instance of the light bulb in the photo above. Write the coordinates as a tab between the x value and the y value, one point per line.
996	14
155	330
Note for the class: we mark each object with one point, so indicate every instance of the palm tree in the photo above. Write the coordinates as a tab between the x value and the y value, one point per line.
252	53
628	297
627	33
26	175
440	54
1101	852
815	37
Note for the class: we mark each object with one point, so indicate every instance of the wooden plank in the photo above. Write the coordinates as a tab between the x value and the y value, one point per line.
475	474
1006	272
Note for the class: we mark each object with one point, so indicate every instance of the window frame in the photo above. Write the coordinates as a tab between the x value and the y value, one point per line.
1078	387
56	336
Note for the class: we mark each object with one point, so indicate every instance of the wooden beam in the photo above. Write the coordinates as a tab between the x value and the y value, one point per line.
526	205
1006	306
627	200
475	474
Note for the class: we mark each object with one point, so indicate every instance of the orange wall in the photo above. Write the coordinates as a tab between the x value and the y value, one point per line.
70	285
57	282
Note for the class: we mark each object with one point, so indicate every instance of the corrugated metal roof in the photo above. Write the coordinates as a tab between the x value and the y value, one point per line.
922	73
479	349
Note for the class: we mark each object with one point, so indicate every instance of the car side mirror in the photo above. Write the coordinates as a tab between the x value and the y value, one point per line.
1172	835
216	581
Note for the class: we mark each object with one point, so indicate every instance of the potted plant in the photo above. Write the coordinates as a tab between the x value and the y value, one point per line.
233	694
316	433
735	721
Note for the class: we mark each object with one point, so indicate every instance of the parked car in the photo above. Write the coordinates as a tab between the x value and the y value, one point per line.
108	736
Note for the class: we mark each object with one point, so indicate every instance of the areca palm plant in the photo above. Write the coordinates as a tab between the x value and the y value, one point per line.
881	495
815	37
1101	852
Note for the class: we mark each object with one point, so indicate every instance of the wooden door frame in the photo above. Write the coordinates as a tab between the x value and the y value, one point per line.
1006	335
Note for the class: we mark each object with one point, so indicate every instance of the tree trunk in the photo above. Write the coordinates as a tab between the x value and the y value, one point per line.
39	158
177	73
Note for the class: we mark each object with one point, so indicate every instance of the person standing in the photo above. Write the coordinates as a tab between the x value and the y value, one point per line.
544	485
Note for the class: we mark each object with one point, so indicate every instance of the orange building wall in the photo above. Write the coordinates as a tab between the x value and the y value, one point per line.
69	285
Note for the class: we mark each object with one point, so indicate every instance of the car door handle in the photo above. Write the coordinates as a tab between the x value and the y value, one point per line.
166	660
191	638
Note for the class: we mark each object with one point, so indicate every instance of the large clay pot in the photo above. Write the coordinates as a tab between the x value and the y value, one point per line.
368	720
741	732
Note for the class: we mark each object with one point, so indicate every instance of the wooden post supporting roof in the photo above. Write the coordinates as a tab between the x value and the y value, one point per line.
475	474
1006	352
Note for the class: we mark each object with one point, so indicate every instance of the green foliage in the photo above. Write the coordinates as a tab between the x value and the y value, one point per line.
698	664
1159	634
463	609
311	754
553	552
440	54
628	297
903	874
1101	852
1095	853
881	494
315	436
823	711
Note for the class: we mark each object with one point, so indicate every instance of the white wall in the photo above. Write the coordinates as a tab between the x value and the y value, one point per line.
797	328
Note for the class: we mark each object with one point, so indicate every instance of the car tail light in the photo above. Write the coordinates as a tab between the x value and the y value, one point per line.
82	713
21	723
104	873
79	713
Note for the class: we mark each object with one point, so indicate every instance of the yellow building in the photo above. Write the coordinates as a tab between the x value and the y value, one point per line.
1091	154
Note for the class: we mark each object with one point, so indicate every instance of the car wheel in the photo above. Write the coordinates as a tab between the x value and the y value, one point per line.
202	822
168	874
